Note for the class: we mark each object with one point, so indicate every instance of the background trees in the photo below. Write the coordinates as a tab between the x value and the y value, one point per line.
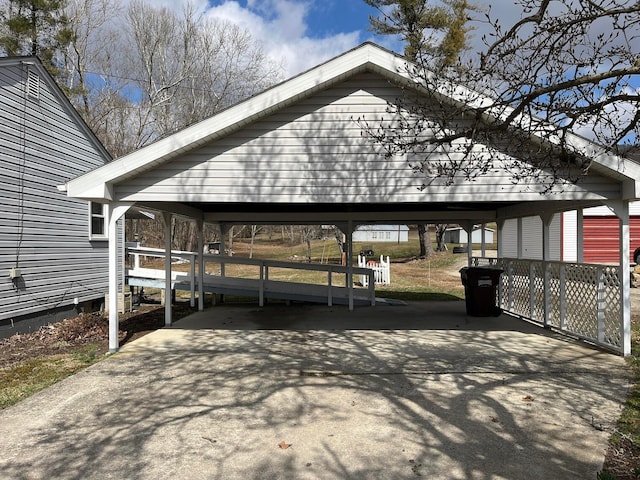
138	73
161	71
35	27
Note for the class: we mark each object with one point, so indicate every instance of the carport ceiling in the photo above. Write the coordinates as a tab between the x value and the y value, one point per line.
305	213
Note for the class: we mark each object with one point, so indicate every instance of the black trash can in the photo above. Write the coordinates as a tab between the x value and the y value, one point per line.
480	284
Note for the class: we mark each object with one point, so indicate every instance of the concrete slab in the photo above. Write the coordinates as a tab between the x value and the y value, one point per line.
410	391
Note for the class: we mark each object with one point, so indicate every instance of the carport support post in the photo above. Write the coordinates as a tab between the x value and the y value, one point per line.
520	239
468	227
500	225
200	228
349	234
168	297
224	229
546	218
580	236
621	209
500	263
114	212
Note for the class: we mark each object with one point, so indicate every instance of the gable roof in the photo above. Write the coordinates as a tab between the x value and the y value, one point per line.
367	57
44	76
99	184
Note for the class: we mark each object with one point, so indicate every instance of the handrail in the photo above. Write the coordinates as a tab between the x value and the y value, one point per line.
281	264
264	266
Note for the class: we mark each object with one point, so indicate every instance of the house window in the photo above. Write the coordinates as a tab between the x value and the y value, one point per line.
97	221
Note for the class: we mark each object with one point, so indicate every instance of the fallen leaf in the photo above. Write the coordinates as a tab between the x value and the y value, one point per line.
528	398
284	445
495	419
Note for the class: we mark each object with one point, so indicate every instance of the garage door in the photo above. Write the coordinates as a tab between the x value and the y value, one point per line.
601	239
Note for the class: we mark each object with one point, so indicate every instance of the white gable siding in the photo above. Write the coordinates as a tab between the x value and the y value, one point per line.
42	231
315	151
604	211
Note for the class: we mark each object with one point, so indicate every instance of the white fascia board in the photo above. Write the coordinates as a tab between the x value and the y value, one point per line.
261	105
534	208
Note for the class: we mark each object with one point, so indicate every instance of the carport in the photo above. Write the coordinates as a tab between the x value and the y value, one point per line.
296	154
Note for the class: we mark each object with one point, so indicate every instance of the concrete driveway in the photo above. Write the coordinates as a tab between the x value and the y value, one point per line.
312	392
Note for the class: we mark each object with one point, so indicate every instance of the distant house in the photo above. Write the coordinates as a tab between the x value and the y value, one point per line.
381	233
459	235
53	249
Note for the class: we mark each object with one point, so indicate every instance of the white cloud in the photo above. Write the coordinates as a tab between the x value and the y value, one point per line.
280	26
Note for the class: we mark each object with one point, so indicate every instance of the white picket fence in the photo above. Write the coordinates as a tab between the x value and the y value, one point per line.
381	270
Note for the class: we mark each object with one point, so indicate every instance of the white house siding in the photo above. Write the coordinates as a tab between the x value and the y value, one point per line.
532	238
42	231
315	151
459	235
569	236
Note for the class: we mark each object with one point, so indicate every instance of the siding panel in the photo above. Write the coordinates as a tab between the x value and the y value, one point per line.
315	151
42	231
532	238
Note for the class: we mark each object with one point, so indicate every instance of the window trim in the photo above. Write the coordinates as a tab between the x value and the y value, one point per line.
97	236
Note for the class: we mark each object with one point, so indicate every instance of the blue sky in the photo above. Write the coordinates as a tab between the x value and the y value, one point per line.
303	33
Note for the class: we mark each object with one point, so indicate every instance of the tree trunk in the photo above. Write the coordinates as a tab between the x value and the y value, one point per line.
254	231
441	228
230	246
426	249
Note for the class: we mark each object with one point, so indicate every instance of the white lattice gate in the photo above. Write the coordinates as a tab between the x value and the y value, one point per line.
584	300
